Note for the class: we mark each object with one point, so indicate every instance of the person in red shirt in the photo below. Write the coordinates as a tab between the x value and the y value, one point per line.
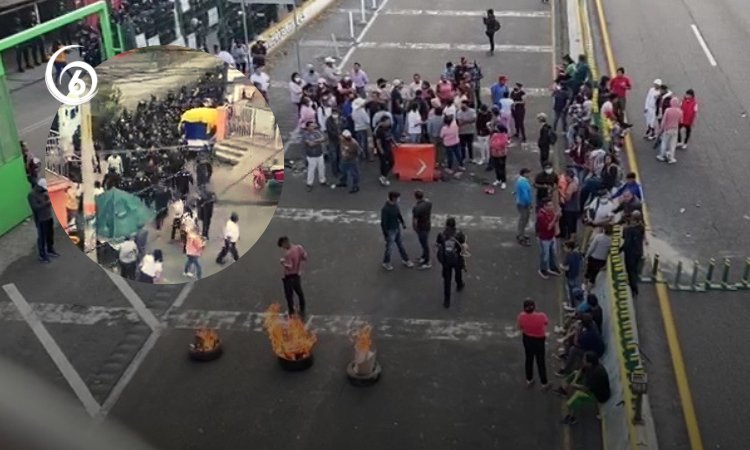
533	326
294	256
689	114
547	220
620	85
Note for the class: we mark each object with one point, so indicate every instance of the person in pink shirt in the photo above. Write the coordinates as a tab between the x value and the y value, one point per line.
670	126
194	249
445	90
451	142
533	326
689	114
620	85
306	113
291	263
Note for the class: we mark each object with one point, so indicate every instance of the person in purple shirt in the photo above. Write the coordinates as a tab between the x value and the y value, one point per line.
360	79
631	184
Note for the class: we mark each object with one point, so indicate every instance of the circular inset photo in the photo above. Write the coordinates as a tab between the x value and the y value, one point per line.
172	171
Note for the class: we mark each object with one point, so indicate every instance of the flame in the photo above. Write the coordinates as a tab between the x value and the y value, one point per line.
290	339
363	339
206	340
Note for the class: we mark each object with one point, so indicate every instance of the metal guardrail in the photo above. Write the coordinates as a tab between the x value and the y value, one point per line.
253	122
701	278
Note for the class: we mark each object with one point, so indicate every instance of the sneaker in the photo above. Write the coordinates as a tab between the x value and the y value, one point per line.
53	254
387	182
684	147
503	185
555	273
568	308
387	267
672	161
559	329
187	274
324	183
382	180
461	168
542	274
661	158
334	185
529	384
496	183
424	266
407	263
561	340
546	387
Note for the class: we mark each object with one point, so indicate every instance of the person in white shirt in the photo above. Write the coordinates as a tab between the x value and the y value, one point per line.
151	267
260	79
331	75
239	53
176	210
231	236
225	56
296	89
115	161
98	189
128	258
414	124
410	93
506	110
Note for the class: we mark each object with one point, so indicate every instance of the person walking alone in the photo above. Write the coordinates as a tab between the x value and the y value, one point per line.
670	126
422	223
291	262
689	114
194	250
533	326
491	26
450	244
350	152
391	224
231	236
523	205
41	207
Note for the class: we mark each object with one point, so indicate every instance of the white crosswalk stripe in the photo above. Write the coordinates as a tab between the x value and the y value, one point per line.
442	46
532	92
450	13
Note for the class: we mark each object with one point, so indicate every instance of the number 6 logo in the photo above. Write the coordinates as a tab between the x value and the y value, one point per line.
76	87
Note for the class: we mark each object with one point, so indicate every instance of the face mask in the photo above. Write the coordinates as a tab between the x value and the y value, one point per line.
548	171
297	79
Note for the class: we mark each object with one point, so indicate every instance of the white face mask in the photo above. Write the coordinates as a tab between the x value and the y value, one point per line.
548	171
297	80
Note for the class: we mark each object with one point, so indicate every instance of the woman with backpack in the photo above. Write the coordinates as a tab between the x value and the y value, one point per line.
499	154
491	26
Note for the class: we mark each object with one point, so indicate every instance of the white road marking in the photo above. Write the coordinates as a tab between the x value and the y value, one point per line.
53	350
183	295
143	312
531	92
704	46
347	217
454	13
508	48
250	321
47	122
362	34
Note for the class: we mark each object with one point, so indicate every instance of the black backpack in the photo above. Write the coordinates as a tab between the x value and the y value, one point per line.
450	252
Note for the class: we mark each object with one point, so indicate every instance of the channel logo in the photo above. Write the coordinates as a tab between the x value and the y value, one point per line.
78	92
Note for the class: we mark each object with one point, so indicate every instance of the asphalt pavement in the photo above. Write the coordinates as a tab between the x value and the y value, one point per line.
452	378
699	207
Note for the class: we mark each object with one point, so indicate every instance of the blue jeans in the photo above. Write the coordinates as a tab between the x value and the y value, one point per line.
394	237
398	126
547	259
454	154
424	242
350	173
361	137
570	284
193	261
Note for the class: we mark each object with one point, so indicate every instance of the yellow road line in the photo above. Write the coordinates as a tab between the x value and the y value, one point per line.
675	350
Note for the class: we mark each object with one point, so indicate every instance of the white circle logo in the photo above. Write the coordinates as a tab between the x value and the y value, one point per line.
77	94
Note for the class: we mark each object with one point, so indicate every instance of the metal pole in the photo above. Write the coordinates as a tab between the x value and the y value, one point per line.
678	276
244	22
364	12
374	4
351	24
336	45
725	273
87	179
694	277
655	268
296	41
746	273
710	273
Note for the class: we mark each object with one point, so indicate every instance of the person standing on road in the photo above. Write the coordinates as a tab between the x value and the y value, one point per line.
597	254
491	26
231	236
547	227
518	110
422	223
621	85
650	108
350	152
391	224
484	116
41	207
466	117
384	143
291	262
449	134
151	267
547	138
206	203
533	326
360	80
450	253
689	114
670	128
333	129
194	250
361	119
499	141
570	203
523	205
545	184
128	258
633	240
314	139
560	101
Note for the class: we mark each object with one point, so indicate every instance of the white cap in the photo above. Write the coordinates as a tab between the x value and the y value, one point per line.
330	60
310	66
397	82
321	81
346	133
658	82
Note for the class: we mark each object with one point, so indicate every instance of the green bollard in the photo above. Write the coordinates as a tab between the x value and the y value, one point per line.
678	276
710	273
725	284
745	283
655	269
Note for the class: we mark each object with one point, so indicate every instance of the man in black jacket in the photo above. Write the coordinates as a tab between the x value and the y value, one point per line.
391	223
547	138
41	207
422	223
450	253
206	210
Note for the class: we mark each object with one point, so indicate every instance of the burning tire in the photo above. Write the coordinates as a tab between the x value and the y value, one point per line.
208	355
206	345
296	365
359	380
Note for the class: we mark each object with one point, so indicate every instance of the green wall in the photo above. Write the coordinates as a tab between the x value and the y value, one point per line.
14	187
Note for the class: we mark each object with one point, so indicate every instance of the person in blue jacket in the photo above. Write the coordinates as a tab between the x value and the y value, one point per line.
631	184
499	89
524	201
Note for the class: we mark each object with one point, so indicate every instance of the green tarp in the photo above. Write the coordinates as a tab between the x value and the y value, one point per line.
120	214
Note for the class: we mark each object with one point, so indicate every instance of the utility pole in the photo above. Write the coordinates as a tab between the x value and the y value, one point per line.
244	21
87	180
